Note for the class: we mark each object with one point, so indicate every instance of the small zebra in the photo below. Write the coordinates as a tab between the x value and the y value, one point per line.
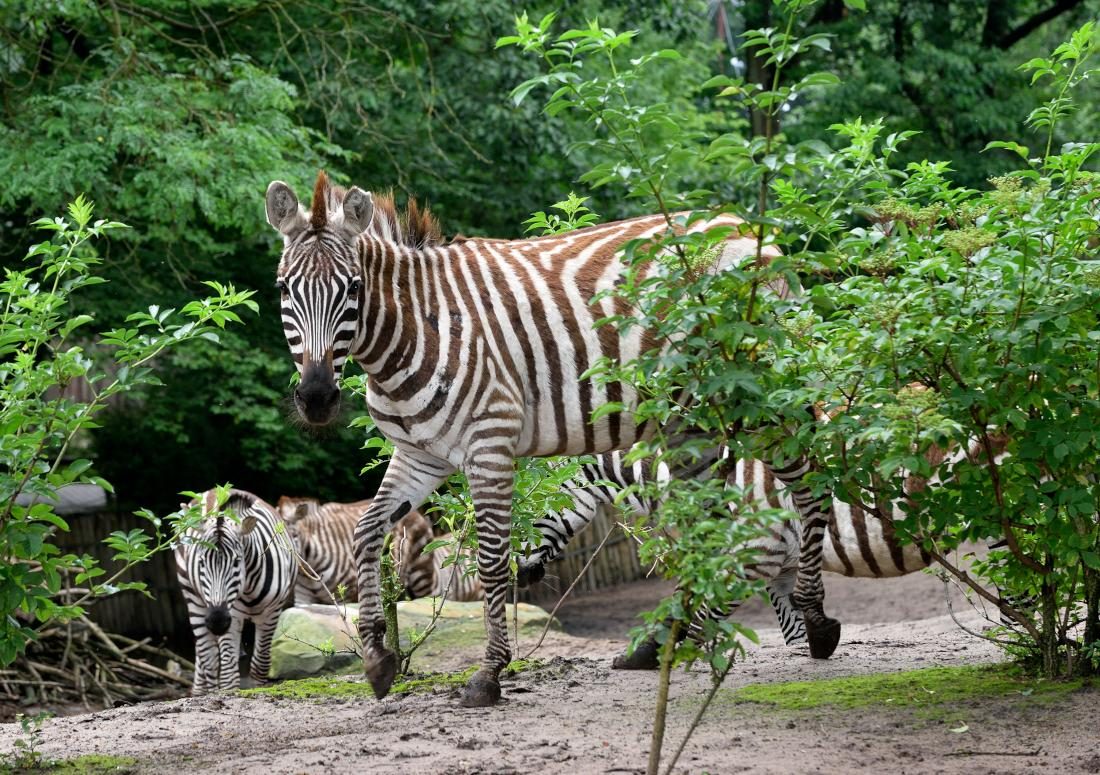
475	352
323	534
231	570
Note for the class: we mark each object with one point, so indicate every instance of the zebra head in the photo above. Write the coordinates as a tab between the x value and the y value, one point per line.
215	562
320	279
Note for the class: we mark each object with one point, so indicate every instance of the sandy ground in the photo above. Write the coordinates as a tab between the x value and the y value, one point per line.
575	715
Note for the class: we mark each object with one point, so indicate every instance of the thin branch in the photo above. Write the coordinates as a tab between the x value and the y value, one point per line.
1036	21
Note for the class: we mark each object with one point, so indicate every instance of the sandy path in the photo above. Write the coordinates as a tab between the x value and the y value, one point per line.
575	715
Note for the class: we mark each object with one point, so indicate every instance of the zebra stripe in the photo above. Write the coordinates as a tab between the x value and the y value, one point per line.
230	571
323	532
474	352
429	574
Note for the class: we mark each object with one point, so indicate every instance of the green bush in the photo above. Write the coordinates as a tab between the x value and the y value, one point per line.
44	349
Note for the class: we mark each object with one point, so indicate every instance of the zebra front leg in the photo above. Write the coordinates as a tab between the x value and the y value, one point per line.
491	491
229	654
206	657
410	477
260	665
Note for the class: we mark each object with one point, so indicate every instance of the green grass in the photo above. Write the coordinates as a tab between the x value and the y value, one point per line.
90	764
328	687
913	689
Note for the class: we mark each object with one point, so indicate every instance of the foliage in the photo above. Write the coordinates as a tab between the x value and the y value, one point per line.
26	755
968	319
937	314
45	351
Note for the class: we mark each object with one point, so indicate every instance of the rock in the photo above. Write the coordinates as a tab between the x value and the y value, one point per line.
315	639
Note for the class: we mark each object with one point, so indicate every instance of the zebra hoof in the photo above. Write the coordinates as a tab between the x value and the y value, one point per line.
381	673
823	638
645	657
481	691
528	574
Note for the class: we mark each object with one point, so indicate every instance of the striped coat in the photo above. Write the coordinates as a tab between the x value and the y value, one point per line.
232	570
474	351
322	533
855	544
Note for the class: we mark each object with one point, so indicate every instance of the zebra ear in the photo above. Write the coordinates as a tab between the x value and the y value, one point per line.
248	523
283	211
358	211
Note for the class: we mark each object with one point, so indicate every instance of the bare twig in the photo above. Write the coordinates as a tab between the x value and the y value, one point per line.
561	600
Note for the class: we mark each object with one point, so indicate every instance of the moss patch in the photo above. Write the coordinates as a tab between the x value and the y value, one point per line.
91	764
335	687
912	689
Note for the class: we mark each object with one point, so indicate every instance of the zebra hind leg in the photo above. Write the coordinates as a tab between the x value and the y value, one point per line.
647	654
822	631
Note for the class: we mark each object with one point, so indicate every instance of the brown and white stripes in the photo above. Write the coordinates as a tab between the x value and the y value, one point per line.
323	534
475	352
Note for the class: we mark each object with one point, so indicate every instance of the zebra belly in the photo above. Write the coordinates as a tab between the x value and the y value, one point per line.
863	546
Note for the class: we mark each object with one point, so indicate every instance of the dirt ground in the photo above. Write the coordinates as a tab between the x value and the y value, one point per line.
575	715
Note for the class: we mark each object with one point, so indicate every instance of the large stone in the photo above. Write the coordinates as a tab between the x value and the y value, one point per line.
313	639
316	639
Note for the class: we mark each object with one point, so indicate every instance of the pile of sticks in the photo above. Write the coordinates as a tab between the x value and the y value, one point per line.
77	663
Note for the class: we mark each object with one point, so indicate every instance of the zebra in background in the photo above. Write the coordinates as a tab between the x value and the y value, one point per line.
475	352
231	570
323	532
429	574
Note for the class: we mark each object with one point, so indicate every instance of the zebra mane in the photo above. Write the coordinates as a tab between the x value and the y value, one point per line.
414	227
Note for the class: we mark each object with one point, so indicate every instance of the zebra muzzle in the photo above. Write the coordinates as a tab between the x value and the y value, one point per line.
218	620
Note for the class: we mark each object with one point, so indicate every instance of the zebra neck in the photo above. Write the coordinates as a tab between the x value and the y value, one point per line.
411	327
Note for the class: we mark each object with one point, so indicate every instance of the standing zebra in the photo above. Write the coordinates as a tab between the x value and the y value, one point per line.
475	352
233	569
323	534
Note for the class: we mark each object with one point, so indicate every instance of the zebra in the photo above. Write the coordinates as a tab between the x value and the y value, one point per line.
322	533
429	574
856	543
474	351
853	544
230	571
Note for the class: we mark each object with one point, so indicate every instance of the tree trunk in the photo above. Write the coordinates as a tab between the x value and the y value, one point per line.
662	700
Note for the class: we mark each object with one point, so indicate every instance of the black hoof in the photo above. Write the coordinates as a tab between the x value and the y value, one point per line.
646	657
481	691
528	574
823	638
381	673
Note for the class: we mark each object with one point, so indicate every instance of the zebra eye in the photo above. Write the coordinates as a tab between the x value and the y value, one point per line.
355	286
282	286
